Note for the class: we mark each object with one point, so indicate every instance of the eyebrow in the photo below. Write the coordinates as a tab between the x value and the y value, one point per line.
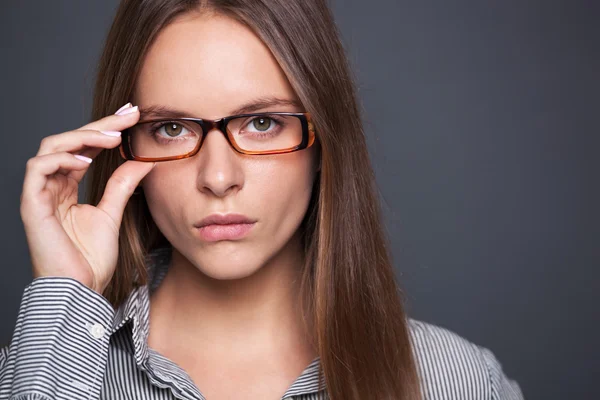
161	111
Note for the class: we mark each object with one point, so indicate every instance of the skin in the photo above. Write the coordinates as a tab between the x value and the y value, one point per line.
226	311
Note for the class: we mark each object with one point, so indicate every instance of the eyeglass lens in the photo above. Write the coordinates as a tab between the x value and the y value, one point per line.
167	138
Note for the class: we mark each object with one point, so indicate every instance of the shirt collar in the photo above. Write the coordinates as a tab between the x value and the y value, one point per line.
136	308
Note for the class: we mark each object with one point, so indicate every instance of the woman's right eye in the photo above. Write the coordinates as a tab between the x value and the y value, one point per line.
172	128
168	130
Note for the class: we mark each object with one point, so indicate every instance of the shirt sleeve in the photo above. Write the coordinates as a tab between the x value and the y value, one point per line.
59	348
502	387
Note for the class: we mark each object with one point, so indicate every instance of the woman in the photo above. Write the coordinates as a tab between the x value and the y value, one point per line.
250	262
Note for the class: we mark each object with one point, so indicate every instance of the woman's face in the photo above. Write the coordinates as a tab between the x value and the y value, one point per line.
208	67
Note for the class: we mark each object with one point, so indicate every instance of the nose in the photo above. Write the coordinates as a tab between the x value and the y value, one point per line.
220	169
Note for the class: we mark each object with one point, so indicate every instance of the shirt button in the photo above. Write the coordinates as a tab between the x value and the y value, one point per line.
97	331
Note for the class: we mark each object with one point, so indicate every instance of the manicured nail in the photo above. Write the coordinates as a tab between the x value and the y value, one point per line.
128	110
122	108
83	158
111	133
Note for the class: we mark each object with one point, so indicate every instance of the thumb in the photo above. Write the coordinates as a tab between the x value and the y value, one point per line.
120	187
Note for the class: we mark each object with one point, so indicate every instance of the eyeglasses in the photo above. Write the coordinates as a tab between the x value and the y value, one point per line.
255	134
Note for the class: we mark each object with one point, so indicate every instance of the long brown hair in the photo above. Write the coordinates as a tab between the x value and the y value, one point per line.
357	318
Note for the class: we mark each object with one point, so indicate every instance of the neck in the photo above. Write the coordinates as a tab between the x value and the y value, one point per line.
255	317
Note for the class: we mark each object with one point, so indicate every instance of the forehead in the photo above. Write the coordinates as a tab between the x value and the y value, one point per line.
208	66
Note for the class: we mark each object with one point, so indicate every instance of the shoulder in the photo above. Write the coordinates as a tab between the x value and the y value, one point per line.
3	355
452	367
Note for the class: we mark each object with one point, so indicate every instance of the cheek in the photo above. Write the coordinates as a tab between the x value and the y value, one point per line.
158	184
282	191
294	171
164	193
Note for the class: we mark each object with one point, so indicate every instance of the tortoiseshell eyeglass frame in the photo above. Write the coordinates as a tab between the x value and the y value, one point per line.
308	135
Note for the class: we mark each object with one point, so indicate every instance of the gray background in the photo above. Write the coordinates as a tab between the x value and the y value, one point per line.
482	121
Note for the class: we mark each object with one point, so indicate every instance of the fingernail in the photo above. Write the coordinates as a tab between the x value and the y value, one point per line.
122	108
128	110
154	165
83	158
111	133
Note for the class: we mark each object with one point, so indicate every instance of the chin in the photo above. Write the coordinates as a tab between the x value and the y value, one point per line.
227	268
227	275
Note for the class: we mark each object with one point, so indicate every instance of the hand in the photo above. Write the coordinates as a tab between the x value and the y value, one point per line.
65	238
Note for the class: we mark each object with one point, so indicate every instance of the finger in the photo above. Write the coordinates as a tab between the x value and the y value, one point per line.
91	152
120	187
38	169
115	122
73	141
110	123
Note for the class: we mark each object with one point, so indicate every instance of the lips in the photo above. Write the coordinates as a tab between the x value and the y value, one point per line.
217	232
224	219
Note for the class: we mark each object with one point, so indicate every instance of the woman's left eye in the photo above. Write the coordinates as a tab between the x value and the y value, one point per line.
262	123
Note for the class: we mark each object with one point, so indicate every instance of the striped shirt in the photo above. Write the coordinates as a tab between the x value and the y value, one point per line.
70	343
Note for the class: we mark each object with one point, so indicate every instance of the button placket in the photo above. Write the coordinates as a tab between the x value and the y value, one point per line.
97	331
